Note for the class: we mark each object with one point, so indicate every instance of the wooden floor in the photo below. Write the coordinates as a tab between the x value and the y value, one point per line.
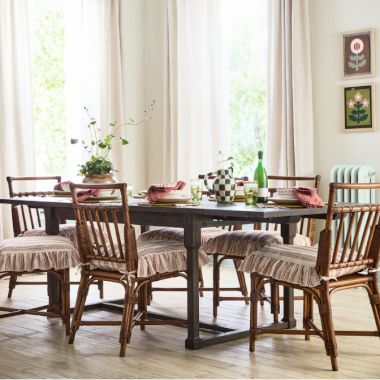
34	347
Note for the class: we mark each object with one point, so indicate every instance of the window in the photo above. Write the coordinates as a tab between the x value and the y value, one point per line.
247	43
49	86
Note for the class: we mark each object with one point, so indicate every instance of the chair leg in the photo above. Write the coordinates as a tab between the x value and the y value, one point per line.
307	312
201	282
127	322
275	301
143	303
79	307
255	297
12	284
65	297
215	288
101	289
241	279
329	338
374	299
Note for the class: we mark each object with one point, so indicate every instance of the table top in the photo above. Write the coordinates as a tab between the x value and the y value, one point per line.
206	208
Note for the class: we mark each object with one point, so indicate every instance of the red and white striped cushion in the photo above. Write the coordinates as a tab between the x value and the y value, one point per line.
296	265
241	243
66	230
177	234
27	254
156	256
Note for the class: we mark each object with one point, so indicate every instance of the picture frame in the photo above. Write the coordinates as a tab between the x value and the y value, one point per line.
358	54
359	108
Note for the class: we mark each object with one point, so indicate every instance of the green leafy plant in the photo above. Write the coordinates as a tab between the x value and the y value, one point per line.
229	160
98	147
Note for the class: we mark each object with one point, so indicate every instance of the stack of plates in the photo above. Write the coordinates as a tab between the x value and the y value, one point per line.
284	196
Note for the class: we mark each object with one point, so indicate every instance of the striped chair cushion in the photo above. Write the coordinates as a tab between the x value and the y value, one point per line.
177	234
156	256
67	230
290	263
27	254
241	243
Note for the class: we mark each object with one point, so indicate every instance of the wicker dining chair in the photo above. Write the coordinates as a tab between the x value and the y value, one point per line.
235	245
347	257
36	254
119	258
207	233
28	221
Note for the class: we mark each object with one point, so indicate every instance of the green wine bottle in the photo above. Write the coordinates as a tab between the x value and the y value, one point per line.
261	178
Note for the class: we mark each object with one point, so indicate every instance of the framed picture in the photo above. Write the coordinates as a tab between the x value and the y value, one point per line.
359	108
358	54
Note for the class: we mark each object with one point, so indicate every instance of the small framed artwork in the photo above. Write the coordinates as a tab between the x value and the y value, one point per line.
358	54
359	108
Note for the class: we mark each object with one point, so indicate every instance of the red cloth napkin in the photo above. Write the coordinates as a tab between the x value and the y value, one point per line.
86	194
158	191
308	197
82	195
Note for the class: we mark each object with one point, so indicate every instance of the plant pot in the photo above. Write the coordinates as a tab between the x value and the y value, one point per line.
101	179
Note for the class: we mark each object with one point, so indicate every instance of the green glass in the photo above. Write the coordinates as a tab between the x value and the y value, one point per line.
196	189
250	193
261	177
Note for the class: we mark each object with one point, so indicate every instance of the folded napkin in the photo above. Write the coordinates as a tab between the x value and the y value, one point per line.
158	191
308	197
86	194
82	195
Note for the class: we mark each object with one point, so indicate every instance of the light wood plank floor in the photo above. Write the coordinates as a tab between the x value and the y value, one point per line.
34	347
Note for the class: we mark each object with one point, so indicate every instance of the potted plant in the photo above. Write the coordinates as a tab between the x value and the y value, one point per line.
98	168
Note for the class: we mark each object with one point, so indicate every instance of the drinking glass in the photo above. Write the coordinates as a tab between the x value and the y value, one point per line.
129	191
251	190
196	189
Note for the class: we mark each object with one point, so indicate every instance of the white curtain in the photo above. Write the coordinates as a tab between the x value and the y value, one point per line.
290	111
195	124
16	130
93	71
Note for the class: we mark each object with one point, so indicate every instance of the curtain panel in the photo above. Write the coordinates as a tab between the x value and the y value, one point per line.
16	128
290	108
195	126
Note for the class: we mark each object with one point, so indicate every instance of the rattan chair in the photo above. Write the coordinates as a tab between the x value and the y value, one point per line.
235	245
347	257
118	258
29	221
50	254
207	233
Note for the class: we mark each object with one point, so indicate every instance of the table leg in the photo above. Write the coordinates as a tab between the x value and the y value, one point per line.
54	286
192	241
288	232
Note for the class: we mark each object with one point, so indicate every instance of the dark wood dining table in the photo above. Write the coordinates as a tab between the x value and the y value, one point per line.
191	219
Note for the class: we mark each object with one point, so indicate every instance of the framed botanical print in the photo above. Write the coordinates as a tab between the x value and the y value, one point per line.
359	108
358	54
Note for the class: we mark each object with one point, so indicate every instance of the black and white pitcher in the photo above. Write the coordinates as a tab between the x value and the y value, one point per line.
224	186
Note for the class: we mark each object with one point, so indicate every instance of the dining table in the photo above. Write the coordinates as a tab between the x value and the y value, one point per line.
192	218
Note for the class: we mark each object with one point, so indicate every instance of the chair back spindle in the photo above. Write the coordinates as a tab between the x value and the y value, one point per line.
104	231
356	245
25	218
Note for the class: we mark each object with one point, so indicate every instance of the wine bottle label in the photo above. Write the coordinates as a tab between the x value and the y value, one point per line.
263	192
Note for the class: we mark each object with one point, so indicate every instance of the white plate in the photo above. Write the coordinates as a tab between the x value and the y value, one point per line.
174	200
284	201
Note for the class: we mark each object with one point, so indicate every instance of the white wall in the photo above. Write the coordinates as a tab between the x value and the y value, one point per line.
333	146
